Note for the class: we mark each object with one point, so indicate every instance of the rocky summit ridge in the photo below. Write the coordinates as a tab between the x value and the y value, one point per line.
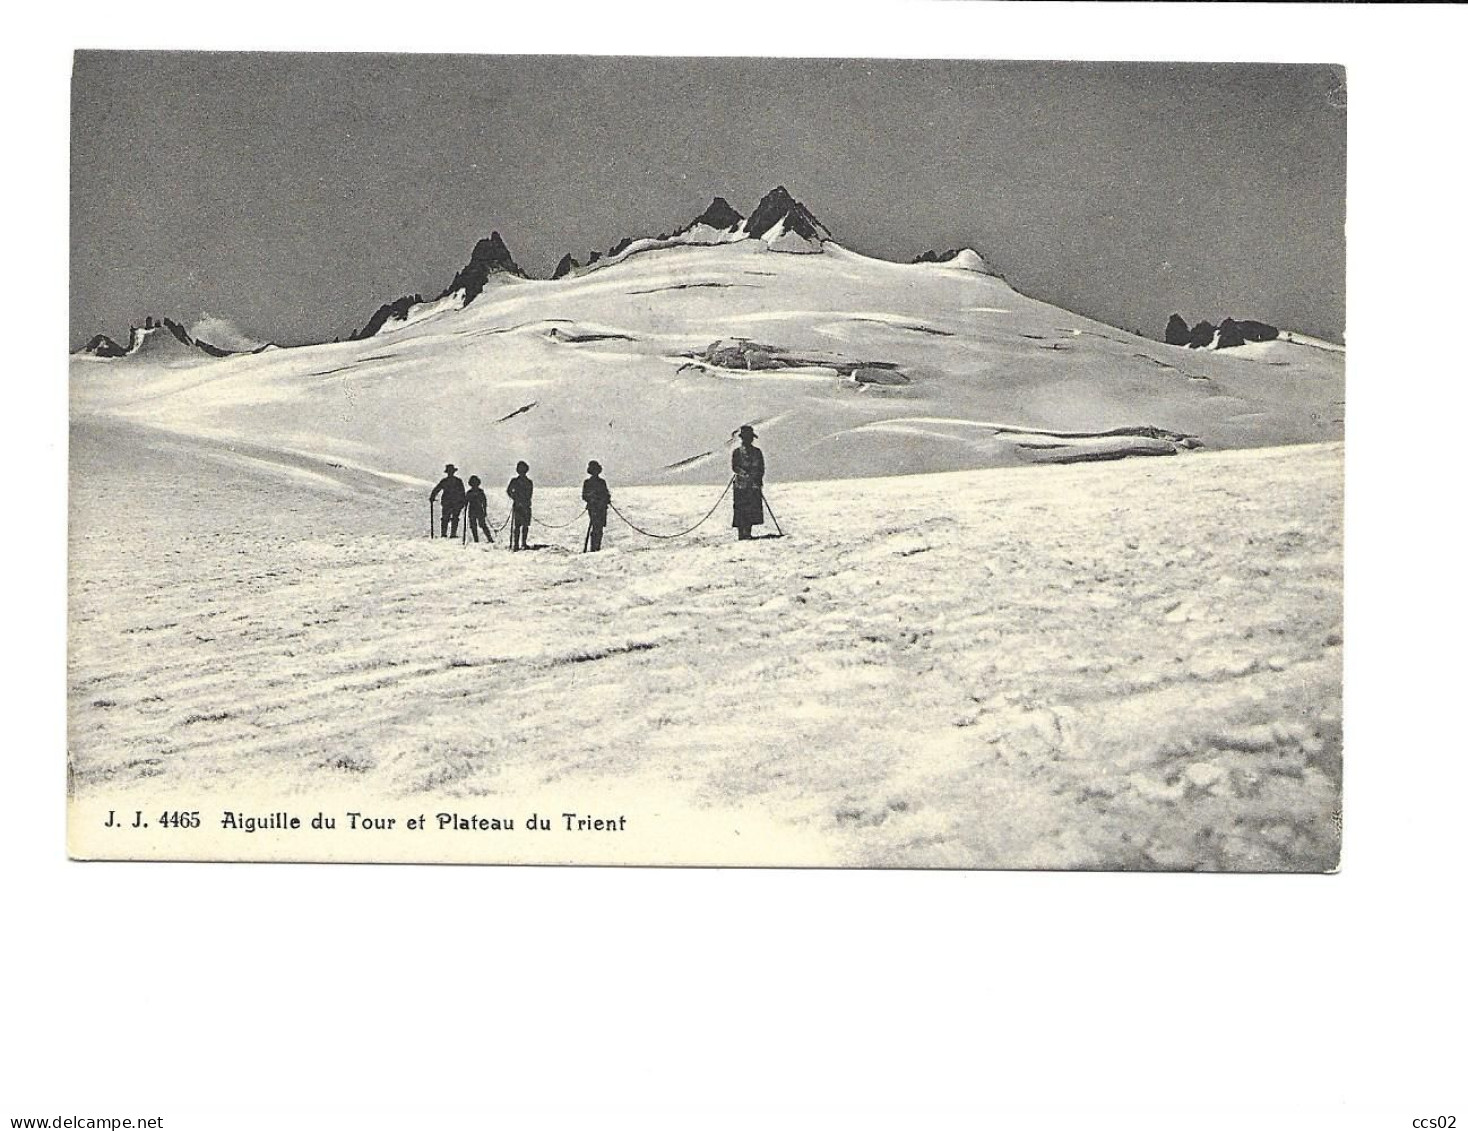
779	208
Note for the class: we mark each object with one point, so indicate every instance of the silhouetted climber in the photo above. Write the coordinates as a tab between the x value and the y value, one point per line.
520	490
478	507
452	488
749	481
597	497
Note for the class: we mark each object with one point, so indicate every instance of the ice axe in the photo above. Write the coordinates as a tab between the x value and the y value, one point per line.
771	509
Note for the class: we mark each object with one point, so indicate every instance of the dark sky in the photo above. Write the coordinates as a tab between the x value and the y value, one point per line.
294	193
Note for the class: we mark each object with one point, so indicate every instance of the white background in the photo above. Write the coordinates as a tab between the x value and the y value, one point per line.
252	996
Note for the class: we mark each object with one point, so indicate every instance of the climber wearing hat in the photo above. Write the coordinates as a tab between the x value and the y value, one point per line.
478	507
452	488
521	491
597	497
749	481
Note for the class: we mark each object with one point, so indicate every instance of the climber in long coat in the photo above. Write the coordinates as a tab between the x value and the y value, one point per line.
749	481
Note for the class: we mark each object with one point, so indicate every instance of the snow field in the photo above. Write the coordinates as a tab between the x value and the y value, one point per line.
604	356
1125	665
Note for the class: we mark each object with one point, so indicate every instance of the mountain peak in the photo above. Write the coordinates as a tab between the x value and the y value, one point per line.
779	206
155	338
719	215
964	257
101	345
777	197
489	257
147	334
389	311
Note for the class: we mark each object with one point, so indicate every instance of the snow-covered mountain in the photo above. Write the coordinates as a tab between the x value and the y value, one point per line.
719	223
490	258
100	345
1228	334
1061	667
649	359
719	216
489	262
784	224
162	341
960	258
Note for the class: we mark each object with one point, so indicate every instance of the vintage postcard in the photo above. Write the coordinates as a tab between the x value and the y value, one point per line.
686	461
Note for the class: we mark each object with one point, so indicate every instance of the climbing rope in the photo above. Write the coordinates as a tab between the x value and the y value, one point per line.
680	533
647	533
560	525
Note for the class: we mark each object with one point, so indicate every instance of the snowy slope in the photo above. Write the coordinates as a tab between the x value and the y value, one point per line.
602	365
1133	665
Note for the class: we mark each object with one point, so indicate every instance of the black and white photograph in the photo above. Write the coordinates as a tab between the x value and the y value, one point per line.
883	565
754	461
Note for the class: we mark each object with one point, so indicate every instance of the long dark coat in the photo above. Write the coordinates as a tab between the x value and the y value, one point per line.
748	463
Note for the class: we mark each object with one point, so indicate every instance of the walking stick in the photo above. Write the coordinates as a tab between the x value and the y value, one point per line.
431	532
771	509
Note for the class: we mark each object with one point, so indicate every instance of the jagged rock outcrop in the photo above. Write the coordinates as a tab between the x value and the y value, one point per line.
741	353
719	215
1231	333
964	257
779	210
1201	335
1226	335
150	325
138	335
102	346
397	309
783	223
155	338
490	257
146	340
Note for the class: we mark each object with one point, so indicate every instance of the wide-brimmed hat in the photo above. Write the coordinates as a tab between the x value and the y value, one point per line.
748	430
449	468
593	468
